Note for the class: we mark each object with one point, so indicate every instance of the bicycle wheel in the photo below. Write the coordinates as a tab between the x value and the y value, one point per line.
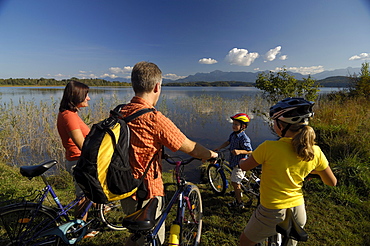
251	187
112	214
22	225
191	228
216	179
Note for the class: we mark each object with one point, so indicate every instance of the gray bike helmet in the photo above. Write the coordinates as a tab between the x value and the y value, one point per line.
292	110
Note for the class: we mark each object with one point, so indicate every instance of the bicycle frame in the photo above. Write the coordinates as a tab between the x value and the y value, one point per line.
62	230
61	216
178	198
224	167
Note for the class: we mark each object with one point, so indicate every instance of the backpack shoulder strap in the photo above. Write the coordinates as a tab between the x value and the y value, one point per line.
116	112
137	114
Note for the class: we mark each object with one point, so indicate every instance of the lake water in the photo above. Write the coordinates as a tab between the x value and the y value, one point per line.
202	113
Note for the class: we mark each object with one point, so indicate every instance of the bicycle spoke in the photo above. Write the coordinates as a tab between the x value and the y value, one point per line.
216	179
24	224
192	222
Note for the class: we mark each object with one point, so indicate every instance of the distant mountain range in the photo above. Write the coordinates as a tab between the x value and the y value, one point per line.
251	77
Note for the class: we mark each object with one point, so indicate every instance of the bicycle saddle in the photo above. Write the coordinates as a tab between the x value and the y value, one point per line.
143	219
37	170
289	228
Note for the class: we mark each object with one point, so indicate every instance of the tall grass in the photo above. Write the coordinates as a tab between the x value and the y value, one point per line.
28	133
343	132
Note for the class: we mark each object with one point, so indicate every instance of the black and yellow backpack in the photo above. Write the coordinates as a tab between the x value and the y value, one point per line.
103	171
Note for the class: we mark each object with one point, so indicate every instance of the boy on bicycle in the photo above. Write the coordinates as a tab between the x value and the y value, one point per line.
240	147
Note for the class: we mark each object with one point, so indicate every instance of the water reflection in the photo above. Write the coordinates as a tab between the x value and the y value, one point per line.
203	114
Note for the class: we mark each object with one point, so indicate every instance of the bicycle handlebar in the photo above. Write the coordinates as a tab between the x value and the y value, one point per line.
183	162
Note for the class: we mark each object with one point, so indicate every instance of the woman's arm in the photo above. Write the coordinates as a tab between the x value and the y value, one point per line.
327	176
77	137
248	164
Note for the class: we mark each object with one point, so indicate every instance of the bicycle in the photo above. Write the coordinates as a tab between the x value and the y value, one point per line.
29	222
219	173
186	228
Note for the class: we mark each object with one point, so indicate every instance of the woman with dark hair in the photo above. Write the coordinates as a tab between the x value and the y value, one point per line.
73	130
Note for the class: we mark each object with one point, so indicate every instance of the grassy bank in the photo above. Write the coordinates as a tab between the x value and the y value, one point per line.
336	216
329	223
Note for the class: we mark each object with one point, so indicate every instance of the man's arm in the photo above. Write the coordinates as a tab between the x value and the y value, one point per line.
197	150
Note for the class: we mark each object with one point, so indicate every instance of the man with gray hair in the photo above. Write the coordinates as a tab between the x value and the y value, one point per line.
149	133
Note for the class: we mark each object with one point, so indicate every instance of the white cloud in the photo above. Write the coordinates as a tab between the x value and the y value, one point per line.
303	70
207	61
241	57
123	70
86	76
112	76
272	53
59	75
362	56
283	57
172	76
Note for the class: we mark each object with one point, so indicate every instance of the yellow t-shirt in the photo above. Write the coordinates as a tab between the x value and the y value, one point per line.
283	173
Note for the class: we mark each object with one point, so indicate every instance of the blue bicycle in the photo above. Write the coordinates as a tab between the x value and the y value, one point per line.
28	221
186	228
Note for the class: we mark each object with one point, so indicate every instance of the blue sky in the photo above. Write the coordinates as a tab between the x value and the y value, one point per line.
98	38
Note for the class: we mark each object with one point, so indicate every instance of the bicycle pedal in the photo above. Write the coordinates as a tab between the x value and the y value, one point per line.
91	234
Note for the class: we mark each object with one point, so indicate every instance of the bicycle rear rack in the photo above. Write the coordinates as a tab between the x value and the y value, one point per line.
33	197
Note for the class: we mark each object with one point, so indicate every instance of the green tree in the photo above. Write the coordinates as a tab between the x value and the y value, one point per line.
277	86
361	83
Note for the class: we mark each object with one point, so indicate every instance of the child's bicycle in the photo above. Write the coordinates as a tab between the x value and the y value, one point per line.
218	175
30	222
186	229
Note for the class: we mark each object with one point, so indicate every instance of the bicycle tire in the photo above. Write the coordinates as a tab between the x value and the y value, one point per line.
191	228
14	225
112	214
217	179
251	188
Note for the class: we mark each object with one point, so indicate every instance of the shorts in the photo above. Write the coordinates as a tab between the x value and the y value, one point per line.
69	167
237	175
263	221
129	206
